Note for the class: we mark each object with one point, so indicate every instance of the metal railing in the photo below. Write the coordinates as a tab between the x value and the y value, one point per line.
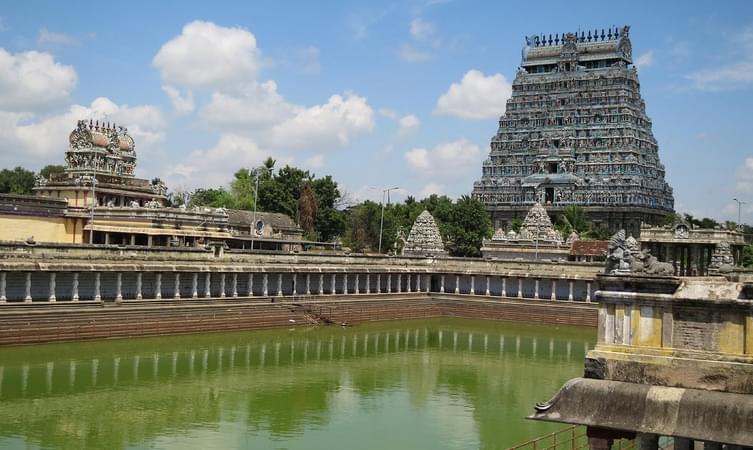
570	438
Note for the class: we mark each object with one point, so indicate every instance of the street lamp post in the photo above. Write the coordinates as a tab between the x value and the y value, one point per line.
739	204
256	196
381	221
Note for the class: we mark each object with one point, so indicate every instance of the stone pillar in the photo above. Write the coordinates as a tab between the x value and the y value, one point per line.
389	283
139	285
457	284
308	284
683	444
3	287
52	297
441	284
407	283
588	292
250	292
345	283
504	287
333	286
133	240
195	285
358	288
150	241
473	285
487	286
570	291
119	287
222	285
321	284
368	283
399	283
596	443
158	285
208	285
554	290
107	238
235	285
646	441
279	285
176	295
379	283
536	289
97	286
27	295
265	285
295	284
418	282
520	287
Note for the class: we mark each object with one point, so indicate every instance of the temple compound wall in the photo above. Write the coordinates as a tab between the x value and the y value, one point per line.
575	132
50	293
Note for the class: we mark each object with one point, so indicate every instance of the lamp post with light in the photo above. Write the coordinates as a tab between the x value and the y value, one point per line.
381	221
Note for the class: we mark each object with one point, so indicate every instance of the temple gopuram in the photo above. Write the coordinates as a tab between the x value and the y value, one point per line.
97	199
575	132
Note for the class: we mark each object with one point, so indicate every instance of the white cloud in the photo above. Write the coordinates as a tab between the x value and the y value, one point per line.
410	54
388	113
449	160
309	60
422	30
255	105
47	37
33	81
430	189
37	141
733	75
333	123
183	103
477	96
215	166
645	60
744	182
208	55
408	125
315	162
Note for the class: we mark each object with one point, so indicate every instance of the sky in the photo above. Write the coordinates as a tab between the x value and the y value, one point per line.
379	95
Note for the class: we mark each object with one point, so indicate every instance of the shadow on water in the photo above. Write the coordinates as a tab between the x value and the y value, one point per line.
439	383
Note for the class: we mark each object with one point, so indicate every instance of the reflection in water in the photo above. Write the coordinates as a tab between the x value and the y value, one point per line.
429	384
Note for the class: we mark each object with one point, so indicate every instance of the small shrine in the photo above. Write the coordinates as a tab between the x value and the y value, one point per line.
424	238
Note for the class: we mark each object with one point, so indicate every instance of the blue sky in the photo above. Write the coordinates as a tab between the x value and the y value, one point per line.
376	94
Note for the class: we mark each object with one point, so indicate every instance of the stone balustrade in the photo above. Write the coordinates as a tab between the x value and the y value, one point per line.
112	283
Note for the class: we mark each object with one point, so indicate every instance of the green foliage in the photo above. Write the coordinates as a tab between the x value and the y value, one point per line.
16	181
51	169
213	198
748	256
573	218
463	224
515	224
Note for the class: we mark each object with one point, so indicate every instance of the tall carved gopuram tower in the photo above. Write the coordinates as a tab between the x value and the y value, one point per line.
575	132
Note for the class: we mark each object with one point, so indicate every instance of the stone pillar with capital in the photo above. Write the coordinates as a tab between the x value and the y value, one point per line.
53	283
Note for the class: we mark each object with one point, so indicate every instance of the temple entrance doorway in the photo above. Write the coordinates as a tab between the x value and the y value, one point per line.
549	195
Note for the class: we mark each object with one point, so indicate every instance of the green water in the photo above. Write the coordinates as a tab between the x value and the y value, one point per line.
432	384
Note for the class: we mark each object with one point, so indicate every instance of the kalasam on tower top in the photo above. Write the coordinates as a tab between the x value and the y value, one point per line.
575	132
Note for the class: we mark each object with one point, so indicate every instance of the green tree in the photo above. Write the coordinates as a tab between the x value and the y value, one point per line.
51	169
213	198
16	181
242	189
307	207
469	225
748	256
573	218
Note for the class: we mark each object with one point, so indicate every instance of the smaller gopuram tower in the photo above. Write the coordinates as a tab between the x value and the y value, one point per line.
575	132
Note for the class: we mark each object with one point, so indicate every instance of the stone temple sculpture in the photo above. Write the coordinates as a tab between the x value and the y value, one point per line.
575	132
537	226
424	238
625	256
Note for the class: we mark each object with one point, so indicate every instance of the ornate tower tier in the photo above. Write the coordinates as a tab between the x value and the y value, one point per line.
575	132
103	149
